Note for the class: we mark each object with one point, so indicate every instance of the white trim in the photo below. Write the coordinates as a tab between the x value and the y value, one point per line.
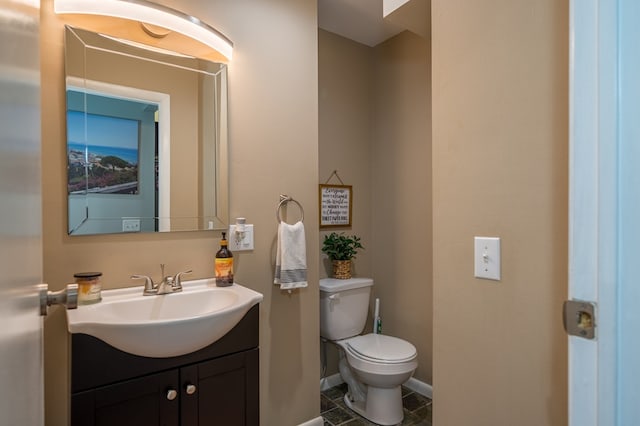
318	421
414	384
593	170
424	389
331	381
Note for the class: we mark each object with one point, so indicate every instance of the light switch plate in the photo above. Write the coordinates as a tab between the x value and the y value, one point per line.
487	258
239	242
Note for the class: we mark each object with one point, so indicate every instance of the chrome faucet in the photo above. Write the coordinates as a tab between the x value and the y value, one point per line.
168	284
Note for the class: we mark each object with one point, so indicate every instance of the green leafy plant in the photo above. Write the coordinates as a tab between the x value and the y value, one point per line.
340	246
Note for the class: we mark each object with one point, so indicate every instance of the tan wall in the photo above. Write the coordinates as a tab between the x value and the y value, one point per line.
401	188
500	137
374	120
345	107
273	150
345	110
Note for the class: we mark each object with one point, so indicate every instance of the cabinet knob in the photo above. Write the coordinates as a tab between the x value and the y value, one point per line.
190	389
172	394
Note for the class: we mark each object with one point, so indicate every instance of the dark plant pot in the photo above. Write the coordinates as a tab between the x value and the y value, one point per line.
342	269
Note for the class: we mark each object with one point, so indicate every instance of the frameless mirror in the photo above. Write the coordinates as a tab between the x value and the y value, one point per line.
146	138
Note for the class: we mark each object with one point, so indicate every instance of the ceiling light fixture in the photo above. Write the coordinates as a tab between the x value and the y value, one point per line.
151	13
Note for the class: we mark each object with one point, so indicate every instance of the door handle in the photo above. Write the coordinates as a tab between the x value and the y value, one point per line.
67	296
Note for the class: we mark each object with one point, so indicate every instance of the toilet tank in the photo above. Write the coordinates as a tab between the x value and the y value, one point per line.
344	305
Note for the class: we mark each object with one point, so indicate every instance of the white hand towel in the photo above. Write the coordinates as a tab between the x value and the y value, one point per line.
291	257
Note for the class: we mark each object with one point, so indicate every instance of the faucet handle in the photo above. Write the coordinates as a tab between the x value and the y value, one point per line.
178	278
149	287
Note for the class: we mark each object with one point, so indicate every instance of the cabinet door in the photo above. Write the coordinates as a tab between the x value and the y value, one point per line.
143	401
223	391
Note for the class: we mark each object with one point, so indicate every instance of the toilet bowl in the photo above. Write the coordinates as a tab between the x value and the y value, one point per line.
383	364
374	366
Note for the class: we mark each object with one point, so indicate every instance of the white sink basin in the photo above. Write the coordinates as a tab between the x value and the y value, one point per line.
167	325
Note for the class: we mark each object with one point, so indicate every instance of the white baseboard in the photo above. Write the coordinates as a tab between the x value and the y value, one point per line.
318	421
417	386
414	384
331	381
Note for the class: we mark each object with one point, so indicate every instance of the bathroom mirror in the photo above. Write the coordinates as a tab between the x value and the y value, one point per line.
146	138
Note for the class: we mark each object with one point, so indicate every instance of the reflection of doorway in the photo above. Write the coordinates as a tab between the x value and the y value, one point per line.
157	173
111	145
152	109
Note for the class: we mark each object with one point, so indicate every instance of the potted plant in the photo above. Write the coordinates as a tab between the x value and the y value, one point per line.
341	249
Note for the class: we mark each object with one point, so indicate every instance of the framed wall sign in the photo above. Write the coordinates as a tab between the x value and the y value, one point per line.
335	206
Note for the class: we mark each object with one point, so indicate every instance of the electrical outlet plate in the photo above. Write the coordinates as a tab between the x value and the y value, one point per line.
239	242
130	225
487	258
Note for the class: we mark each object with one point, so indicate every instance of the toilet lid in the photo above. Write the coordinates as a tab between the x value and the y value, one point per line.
381	348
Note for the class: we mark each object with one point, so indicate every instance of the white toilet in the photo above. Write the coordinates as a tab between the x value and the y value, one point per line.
373	365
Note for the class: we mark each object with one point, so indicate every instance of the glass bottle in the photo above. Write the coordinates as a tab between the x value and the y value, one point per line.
224	264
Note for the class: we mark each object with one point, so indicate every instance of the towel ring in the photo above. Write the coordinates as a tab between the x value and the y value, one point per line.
284	199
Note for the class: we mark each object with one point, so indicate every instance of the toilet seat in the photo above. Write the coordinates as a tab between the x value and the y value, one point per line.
380	349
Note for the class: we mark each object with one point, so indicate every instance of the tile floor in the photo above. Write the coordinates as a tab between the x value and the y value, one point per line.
417	409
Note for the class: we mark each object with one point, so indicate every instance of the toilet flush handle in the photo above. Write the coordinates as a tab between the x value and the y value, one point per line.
334	296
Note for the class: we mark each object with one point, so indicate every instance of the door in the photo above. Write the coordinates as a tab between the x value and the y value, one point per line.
222	391
21	363
604	210
151	400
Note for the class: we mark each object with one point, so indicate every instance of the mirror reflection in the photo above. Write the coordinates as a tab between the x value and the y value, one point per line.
146	138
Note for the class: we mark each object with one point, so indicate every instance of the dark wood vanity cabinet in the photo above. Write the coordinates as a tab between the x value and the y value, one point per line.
141	401
217	385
